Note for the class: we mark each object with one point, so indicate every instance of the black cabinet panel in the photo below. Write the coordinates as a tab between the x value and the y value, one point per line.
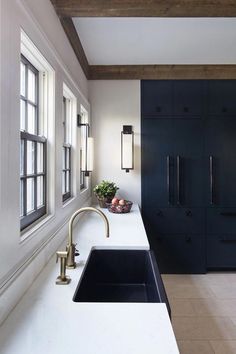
179	253
188	98
158	162
221	251
176	220
221	220
156	97
220	145
221	97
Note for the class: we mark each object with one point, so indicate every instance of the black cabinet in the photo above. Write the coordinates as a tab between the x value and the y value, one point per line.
156	97
189	173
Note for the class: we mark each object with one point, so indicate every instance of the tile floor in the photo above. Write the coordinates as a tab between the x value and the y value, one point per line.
203	312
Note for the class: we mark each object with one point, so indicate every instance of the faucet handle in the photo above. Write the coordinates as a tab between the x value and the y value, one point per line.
61	254
62	279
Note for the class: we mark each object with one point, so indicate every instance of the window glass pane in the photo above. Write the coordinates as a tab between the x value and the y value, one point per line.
40	191
68	158
64	158
31	119
31	86
21	198
63	183
21	157
39	158
30	195
67	181
30	157
22	115
22	79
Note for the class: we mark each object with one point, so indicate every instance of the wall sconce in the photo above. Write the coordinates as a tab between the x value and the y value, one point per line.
127	148
87	152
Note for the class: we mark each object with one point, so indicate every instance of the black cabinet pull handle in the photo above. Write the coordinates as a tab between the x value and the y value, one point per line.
228	213
188	213
186	109
168	178
158	109
228	239
188	239
159	213
178	179
211	180
224	109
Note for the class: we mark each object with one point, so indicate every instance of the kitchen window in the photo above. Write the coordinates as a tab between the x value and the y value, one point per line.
33	147
67	150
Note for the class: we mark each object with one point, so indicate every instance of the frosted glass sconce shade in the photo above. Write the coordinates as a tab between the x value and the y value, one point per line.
87	157
127	148
87	150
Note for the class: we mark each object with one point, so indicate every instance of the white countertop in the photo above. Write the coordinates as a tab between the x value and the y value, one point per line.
46	320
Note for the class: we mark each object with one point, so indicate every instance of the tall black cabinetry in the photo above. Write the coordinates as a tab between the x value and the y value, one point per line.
188	173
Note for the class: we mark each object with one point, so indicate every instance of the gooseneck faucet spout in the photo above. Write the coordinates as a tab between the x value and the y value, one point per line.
70	248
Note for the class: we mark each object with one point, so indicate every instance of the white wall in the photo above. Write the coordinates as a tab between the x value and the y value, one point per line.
40	22
114	104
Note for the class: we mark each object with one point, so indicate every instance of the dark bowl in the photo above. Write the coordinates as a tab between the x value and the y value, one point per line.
119	209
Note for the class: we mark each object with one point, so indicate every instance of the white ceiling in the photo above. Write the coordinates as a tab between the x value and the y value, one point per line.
117	41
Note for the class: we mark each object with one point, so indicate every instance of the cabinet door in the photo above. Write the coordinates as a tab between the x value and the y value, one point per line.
172	162
156	97
188	97
221	97
221	161
221	251
182	253
157	162
188	152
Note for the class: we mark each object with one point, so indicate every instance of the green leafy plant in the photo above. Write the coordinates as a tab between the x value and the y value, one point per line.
105	189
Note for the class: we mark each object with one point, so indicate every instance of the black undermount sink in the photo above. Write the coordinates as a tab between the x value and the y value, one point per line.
121	276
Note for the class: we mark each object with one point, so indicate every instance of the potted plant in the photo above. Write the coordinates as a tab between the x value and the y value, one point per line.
105	192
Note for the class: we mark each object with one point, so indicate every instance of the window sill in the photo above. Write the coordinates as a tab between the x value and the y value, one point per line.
68	201
35	228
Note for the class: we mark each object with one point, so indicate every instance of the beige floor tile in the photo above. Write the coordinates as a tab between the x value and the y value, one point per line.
224	292
204	328
223	347
180	307
179	291
213	307
195	347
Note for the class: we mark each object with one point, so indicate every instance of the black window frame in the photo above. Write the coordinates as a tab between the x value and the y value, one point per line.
27	219
66	155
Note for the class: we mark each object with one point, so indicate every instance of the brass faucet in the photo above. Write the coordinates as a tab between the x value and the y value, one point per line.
70	248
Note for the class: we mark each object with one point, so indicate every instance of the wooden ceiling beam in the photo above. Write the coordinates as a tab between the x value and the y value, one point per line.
75	42
145	8
162	72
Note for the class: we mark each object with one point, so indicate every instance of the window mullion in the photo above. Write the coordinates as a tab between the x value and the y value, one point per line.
35	178
26	96
25	180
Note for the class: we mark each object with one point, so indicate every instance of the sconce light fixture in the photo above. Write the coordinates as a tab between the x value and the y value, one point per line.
127	148
87	152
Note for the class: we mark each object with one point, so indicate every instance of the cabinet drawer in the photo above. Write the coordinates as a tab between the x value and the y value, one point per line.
221	251
221	220
156	97
176	220
179	253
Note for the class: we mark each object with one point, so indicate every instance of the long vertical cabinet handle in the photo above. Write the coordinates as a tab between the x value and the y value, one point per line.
168	178
178	178
211	179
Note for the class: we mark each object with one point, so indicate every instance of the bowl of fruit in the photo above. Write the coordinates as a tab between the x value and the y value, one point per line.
119	206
